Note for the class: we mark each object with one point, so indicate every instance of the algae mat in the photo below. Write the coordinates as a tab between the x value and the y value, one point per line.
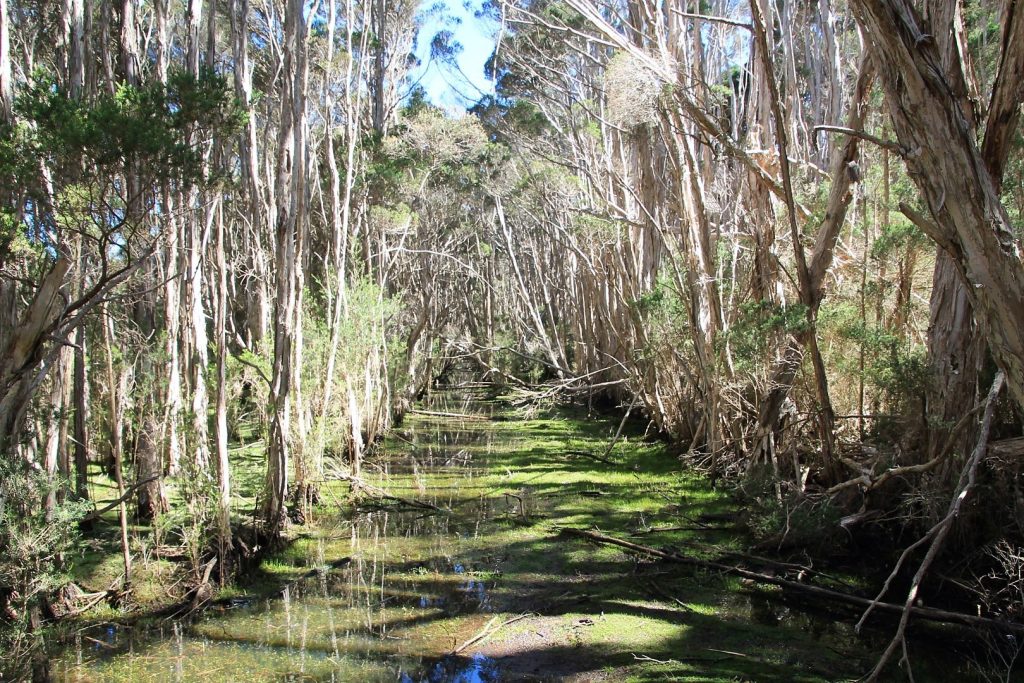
473	582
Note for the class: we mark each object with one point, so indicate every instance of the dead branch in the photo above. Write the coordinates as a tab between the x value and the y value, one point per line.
926	613
713	19
460	416
592	456
360	486
941	530
886	144
869	483
618	432
487	631
96	514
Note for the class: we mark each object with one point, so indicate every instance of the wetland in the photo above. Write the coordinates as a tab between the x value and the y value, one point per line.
458	571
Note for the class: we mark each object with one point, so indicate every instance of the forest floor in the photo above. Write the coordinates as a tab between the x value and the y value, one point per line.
463	574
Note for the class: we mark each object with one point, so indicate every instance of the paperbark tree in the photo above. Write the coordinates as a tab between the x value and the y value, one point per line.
965	216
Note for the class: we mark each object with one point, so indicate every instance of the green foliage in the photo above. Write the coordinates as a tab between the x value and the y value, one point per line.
596	228
155	127
453	153
899	234
361	332
982	21
563	14
249	389
896	367
30	545
384	172
757	328
790	519
149	133
667	314
194	521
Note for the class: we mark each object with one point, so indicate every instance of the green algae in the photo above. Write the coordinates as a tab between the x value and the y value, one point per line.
373	590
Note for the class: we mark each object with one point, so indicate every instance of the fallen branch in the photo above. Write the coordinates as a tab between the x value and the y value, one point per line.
622	423
652	660
927	613
592	456
939	532
487	631
665	594
96	514
377	492
866	480
91	599
665	529
461	416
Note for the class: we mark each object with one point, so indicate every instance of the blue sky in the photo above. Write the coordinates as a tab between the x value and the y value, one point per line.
448	88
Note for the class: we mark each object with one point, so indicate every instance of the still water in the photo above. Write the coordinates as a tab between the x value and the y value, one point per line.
389	590
461	577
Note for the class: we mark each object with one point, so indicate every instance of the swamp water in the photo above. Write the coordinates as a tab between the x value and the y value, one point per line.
474	584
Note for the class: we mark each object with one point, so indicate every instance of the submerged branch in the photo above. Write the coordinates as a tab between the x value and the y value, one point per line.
461	416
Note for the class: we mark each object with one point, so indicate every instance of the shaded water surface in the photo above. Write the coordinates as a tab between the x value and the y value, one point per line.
386	591
472	583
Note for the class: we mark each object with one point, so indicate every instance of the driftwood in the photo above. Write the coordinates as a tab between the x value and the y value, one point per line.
926	613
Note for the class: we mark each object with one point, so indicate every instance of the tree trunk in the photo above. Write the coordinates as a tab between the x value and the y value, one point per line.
6	85
56	432
117	387
290	185
966	218
840	195
81	430
220	295
152	499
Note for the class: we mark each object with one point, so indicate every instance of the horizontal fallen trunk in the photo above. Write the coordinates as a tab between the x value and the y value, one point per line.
926	613
460	416
360	486
593	456
96	514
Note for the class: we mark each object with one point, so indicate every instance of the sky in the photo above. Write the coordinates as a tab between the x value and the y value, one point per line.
456	89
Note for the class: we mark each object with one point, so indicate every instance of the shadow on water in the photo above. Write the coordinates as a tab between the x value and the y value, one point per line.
389	593
474	669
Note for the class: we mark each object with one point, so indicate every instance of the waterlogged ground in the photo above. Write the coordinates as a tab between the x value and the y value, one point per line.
481	587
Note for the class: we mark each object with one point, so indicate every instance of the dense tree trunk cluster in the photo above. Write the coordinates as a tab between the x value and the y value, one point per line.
788	232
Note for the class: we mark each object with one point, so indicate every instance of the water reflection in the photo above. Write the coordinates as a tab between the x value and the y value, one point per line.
475	669
386	592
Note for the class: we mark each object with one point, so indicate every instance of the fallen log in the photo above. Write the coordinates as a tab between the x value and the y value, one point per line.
460	416
487	631
926	613
96	514
593	456
377	492
666	529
